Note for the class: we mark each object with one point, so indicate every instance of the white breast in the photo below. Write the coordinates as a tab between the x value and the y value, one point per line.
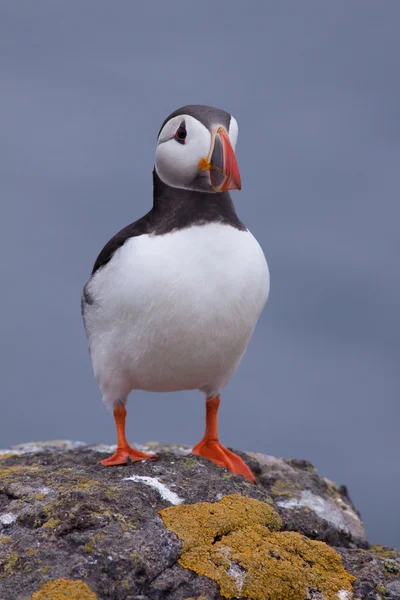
175	311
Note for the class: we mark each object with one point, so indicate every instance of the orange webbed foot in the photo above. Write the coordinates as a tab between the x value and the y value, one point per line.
122	456
223	457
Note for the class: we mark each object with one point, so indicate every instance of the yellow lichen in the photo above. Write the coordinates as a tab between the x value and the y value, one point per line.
45	569
236	543
4	456
283	488
84	483
51	523
4	539
89	547
9	473
198	524
383	551
64	589
189	462
38	496
9	564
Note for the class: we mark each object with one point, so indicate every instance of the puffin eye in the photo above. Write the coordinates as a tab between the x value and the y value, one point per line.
181	133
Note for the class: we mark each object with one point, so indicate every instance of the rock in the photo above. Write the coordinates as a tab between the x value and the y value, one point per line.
180	528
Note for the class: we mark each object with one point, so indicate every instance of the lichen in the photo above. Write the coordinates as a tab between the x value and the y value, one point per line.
188	462
4	539
64	589
89	547
38	496
198	524
284	488
383	551
11	472
4	456
8	564
85	484
62	478
391	565
51	523
237	543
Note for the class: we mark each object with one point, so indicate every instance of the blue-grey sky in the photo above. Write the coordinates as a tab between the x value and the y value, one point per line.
315	87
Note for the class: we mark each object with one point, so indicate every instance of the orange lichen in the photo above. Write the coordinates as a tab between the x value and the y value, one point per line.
236	543
199	524
64	589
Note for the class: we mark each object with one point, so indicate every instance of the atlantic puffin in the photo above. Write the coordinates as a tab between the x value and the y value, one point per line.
173	298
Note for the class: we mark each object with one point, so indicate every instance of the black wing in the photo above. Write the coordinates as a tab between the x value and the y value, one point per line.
139	227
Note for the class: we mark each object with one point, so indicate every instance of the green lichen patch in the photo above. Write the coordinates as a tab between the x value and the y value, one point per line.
62	478
4	539
51	523
237	543
11	473
64	589
383	551
8	564
285	488
89	547
188	462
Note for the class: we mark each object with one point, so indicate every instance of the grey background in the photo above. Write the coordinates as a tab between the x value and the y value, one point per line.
315	88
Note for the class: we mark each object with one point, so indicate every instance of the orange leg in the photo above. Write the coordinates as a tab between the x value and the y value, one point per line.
210	447
124	450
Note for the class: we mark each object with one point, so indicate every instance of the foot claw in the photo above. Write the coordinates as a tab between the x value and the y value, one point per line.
223	457
123	456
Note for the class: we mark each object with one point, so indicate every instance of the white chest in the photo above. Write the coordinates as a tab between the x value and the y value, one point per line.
176	311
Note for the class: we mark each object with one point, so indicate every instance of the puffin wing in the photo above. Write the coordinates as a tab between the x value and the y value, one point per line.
139	227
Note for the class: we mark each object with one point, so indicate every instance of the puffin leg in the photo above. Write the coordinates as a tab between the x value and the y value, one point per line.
210	446
124	451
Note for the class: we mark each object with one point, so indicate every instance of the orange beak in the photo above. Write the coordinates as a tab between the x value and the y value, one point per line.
222	163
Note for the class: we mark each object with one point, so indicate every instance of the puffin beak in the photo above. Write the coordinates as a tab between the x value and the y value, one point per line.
222	164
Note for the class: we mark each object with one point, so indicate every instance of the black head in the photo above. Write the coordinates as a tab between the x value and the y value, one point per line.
195	150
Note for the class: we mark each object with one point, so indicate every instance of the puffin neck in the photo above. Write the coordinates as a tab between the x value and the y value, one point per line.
176	208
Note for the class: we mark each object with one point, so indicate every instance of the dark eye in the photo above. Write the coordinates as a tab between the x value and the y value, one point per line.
181	133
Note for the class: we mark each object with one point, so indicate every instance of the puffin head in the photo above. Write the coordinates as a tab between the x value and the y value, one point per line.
196	150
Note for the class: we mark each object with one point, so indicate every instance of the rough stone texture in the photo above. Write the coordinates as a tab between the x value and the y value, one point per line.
65	517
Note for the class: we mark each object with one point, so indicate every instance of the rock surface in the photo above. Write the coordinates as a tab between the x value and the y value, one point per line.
180	528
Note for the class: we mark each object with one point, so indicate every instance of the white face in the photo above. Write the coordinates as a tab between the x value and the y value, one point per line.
177	160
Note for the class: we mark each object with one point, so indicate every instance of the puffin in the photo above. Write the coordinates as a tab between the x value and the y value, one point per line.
174	298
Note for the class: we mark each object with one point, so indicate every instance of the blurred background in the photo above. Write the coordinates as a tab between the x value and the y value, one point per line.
315	88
